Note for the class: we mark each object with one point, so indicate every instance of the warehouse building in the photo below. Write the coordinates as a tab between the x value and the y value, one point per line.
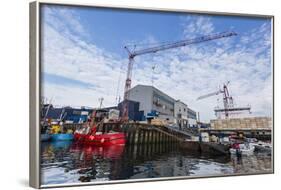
67	114
134	112
191	117
184	116
181	113
155	103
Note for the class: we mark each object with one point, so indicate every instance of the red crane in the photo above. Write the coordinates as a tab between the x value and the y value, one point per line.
133	53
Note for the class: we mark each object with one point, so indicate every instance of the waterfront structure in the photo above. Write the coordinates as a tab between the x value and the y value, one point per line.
134	113
181	114
67	114
154	103
191	117
253	127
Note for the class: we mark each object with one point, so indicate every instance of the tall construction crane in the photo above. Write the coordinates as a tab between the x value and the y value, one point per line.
133	53
229	108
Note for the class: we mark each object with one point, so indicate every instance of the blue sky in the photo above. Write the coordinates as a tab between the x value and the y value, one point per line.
84	59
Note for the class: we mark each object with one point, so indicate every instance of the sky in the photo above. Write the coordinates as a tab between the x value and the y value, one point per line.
83	57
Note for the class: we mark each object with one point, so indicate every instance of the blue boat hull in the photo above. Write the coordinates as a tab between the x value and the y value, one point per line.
62	137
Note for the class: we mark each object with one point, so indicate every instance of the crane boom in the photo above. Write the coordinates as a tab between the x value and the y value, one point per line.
155	49
210	94
134	53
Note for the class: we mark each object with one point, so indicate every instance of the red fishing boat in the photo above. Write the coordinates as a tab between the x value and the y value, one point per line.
93	133
106	139
81	133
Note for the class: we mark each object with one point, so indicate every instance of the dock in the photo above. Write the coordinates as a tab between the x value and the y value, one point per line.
146	134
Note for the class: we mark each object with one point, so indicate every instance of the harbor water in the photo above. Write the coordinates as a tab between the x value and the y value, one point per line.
66	162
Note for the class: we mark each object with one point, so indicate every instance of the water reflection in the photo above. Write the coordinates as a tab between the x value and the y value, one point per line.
67	162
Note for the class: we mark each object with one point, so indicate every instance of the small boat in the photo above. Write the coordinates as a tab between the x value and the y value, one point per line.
262	146
92	137
251	140
45	137
79	137
106	139
62	137
242	149
93	133
80	134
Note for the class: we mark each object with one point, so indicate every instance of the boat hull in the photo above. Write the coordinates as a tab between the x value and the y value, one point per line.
80	137
263	148
105	139
62	137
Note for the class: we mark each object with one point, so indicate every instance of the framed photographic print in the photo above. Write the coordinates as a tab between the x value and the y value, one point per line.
130	94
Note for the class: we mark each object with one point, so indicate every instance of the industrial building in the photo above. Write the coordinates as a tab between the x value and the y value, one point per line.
191	117
180	114
146	102
184	116
67	114
134	113
155	103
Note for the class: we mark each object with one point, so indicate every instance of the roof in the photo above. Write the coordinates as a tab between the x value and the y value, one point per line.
154	88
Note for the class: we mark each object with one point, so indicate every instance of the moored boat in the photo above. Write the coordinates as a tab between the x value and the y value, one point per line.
79	137
94	133
62	137
106	139
80	134
263	147
242	149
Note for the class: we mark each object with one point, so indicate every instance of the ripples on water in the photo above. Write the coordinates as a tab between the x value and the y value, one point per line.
66	162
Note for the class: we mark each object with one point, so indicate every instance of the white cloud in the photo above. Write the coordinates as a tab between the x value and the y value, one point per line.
65	55
195	70
183	73
195	25
53	16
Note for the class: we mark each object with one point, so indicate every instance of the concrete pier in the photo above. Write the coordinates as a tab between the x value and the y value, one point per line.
147	134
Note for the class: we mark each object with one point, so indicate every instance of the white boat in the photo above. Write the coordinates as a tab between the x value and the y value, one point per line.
263	147
244	149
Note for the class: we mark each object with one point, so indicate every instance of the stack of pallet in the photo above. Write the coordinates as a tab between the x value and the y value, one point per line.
159	122
242	123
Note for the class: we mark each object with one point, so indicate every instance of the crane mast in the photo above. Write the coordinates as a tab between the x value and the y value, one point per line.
228	106
133	53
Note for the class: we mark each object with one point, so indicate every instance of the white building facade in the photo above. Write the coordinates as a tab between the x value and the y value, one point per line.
155	103
180	114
